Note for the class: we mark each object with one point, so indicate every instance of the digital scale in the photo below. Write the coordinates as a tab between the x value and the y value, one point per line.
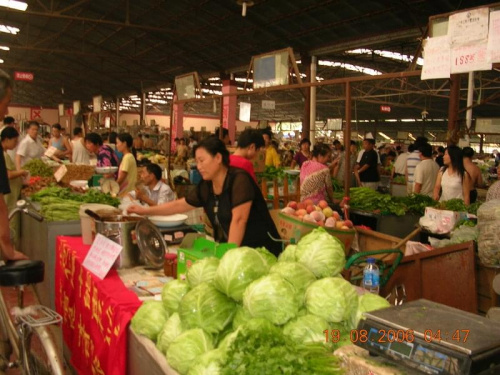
432	338
175	235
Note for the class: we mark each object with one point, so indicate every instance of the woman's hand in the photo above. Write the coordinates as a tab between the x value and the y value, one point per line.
135	209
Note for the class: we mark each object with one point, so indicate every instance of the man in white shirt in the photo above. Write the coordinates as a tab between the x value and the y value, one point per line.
30	147
156	192
412	162
425	172
400	164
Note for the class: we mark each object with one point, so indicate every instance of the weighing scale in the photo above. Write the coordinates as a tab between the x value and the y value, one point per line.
175	235
432	338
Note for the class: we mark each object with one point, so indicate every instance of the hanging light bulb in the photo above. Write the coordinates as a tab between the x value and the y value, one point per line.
244	5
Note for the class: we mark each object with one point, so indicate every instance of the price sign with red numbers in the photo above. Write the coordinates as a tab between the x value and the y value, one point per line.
469	58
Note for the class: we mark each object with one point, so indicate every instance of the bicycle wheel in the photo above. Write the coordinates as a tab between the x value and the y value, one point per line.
43	356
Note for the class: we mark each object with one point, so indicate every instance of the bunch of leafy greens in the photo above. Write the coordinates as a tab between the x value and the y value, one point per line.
366	199
91	196
262	348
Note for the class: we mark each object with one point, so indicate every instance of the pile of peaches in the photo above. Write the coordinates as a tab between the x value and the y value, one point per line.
320	214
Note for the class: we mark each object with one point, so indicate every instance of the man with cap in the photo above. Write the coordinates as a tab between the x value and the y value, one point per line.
366	171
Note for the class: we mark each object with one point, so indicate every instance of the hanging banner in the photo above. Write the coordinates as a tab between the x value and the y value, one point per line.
436	58
24	76
245	109
493	49
469	58
469	26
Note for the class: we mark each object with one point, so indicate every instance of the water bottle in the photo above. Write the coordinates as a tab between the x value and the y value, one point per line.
371	276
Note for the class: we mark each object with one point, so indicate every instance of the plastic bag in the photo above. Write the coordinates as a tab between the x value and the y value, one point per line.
488	223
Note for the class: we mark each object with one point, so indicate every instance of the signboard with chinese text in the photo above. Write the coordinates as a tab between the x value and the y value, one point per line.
24	76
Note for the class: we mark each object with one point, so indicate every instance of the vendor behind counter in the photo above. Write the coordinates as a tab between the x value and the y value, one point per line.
230	197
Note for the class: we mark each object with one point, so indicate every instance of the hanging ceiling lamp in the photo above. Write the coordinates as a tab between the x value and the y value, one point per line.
244	5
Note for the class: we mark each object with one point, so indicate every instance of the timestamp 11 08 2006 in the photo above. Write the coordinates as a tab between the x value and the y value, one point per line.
395	335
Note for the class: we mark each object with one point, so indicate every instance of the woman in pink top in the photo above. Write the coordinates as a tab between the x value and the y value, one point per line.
315	178
249	144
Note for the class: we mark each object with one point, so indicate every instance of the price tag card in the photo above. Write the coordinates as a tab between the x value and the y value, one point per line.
61	171
101	256
469	58
50	151
493	53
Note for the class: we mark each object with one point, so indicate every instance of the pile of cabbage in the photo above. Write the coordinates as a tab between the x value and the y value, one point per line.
250	313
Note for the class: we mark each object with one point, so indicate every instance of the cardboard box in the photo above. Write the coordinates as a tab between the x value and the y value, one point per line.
195	247
291	228
259	162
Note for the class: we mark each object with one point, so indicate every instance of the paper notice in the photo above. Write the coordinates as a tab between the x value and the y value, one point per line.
436	58
469	26
101	256
469	58
50	151
493	50
61	171
245	109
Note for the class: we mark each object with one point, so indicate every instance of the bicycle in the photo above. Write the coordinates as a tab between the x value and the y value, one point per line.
26	329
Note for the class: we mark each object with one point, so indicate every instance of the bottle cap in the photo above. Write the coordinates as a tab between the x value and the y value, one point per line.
371	260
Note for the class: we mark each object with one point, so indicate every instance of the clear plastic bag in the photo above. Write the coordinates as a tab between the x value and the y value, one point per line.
488	223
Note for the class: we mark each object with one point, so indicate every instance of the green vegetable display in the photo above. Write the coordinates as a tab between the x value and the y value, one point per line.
186	348
332	298
170	331
321	253
91	196
208	363
307	329
399	180
149	319
296	274
207	308
366	199
202	271
273	298
172	294
37	167
288	255
237	269
368	302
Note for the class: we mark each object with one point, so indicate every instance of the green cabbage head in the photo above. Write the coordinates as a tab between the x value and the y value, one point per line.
241	317
183	352
172	293
296	274
271	297
322	253
238	268
202	271
332	298
207	308
288	255
307	329
208	363
170	331
149	319
368	302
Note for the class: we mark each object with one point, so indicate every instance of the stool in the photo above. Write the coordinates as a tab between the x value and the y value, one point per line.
22	272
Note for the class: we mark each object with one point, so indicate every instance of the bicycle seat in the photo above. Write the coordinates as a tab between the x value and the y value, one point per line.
21	272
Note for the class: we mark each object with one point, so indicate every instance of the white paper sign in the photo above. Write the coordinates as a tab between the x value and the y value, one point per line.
268	104
436	58
101	256
50	151
493	51
469	58
245	109
469	26
61	171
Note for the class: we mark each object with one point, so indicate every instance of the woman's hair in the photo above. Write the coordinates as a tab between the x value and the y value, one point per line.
9	133
154	169
57	126
215	146
305	140
126	138
321	149
77	131
112	137
456	159
94	138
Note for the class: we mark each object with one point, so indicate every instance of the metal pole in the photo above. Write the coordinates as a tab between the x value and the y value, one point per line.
470	97
117	113
306	121
143	109
347	140
312	117
454	102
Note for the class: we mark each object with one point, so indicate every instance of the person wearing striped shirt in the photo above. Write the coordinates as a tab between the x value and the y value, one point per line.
412	162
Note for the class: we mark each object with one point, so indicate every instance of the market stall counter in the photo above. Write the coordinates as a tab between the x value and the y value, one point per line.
95	312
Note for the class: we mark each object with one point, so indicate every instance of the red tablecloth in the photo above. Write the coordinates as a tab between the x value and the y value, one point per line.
96	312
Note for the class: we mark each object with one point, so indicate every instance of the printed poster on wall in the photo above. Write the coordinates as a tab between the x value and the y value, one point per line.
469	58
245	109
436	58
493	50
469	26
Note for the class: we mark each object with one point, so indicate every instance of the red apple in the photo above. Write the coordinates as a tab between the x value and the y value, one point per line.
293	205
301	206
310	208
300	212
336	215
348	223
309	202
321	223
